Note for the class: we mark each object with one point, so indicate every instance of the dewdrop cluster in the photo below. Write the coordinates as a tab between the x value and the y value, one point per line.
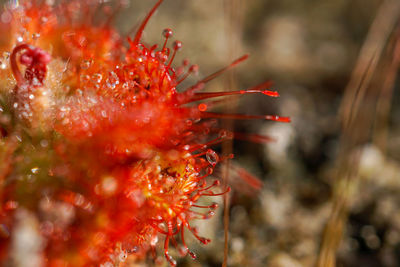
99	144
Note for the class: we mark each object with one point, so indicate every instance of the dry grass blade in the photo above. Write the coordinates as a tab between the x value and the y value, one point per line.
367	61
356	114
385	96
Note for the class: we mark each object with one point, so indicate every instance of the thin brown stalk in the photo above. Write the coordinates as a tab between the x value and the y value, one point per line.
233	27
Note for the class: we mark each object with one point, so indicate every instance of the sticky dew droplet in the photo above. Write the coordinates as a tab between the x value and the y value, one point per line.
182	250
6	55
212	157
177	45
96	78
35	36
84	78
167	33
35	170
85	64
122	255
44	143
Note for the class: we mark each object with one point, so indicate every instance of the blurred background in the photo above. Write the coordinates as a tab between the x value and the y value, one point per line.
334	170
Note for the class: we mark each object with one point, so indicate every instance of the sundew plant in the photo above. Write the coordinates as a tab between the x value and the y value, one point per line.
104	155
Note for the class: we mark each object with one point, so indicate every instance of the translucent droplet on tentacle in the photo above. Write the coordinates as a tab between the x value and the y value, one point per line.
96	78
226	135
194	69
35	36
6	55
35	170
122	256
212	157
85	64
171	260
84	78
177	45
167	33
